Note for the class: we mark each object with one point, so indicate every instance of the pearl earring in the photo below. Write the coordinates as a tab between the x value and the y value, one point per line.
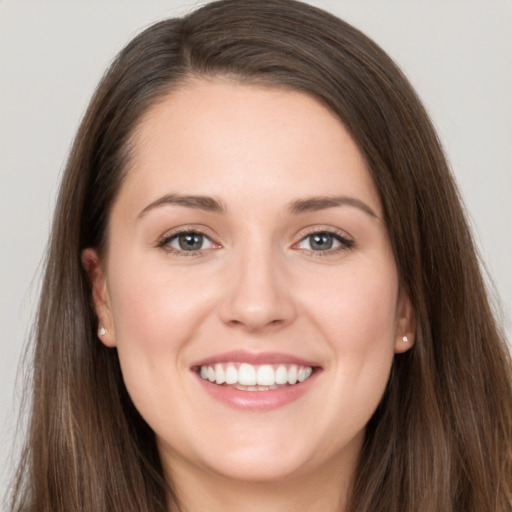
405	339
103	331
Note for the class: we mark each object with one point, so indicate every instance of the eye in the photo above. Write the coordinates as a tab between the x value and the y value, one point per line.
323	241
188	241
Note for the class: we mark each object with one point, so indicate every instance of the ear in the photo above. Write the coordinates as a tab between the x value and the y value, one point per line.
92	265
406	323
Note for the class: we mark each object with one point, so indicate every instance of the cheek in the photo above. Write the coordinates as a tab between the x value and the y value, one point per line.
360	311
157	314
358	319
155	311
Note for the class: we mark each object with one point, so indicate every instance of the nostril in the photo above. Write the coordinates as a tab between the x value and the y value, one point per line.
257	324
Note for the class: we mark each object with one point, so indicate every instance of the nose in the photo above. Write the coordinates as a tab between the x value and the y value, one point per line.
258	294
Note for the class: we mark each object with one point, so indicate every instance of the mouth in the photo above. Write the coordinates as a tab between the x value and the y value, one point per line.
251	377
256	381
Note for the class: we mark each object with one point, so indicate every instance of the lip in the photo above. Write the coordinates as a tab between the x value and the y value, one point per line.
255	358
257	401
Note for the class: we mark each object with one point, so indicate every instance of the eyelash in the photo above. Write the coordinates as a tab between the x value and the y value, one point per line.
341	237
168	238
345	243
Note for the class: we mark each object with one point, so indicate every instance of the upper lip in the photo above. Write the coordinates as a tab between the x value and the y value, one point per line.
255	358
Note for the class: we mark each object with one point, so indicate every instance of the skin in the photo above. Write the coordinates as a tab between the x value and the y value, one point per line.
257	286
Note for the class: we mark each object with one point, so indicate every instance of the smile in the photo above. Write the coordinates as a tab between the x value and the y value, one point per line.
256	382
249	377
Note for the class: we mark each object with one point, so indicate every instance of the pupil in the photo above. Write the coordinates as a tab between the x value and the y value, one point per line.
321	241
190	241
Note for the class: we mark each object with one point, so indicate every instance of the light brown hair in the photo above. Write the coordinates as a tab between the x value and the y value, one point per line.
441	439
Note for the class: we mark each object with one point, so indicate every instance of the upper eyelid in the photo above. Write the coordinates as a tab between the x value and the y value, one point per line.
300	235
164	243
311	230
344	239
187	232
171	233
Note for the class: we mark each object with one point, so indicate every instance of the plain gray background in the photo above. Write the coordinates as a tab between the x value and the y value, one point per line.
457	53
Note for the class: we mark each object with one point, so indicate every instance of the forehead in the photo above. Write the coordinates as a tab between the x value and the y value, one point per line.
223	138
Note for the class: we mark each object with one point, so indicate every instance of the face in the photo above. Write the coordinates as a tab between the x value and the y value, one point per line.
249	285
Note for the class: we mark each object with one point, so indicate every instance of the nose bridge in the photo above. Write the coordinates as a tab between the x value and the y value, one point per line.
256	295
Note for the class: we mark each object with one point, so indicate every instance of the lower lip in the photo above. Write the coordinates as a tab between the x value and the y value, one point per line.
257	400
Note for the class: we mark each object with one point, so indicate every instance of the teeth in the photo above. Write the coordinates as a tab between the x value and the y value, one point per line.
231	374
281	375
220	376
304	373
248	377
265	376
292	375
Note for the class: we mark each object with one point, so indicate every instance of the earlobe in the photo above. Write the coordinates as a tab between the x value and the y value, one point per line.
406	324
92	266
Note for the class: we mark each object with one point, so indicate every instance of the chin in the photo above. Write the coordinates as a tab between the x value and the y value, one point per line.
258	468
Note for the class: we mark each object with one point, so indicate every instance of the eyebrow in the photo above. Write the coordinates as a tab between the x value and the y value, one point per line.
296	207
206	203
314	204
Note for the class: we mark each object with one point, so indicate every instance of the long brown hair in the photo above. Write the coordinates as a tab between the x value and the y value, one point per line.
441	439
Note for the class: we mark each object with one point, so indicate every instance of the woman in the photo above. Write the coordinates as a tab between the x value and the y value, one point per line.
261	291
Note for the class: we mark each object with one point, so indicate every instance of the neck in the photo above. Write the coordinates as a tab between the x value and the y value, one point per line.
323	491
